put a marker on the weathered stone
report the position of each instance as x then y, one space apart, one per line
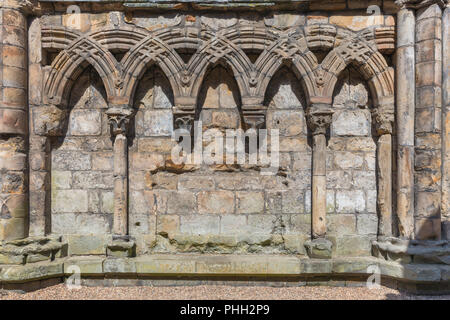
319 248
121 249
87 244
216 202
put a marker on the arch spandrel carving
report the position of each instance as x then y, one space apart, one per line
293 47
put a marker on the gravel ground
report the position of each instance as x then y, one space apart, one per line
208 292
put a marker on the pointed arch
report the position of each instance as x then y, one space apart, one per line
290 50
370 64
220 50
150 50
70 63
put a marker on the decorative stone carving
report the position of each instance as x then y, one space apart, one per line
383 118
319 118
119 119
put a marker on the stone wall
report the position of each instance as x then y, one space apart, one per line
108 87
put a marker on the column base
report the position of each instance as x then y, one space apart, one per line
412 251
320 248
32 249
121 247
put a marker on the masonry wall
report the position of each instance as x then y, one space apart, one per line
210 207
214 208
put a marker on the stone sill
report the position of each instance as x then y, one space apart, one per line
238 266
198 4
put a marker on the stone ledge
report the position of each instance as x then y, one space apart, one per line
413 251
225 266
31 250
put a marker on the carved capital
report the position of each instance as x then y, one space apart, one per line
319 118
383 117
254 116
119 120
183 117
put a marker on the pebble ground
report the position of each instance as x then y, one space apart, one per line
212 292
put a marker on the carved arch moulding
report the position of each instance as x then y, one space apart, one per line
294 47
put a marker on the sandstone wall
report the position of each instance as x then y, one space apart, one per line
110 76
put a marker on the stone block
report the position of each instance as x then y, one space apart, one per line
289 123
71 160
13 121
92 180
121 249
168 225
319 248
181 202
89 244
196 183
356 22
34 271
233 224
107 201
340 224
347 160
161 265
61 179
156 123
428 229
88 266
69 201
293 201
200 224
102 161
364 180
81 223
353 246
85 122
367 224
350 123
250 202
352 201
262 224
119 266
216 202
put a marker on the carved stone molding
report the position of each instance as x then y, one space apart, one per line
183 117
119 120
418 4
319 118
384 118
254 116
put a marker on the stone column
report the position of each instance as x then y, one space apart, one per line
405 96
119 119
13 122
446 123
428 145
319 118
383 117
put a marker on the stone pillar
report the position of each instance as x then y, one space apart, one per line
319 118
428 153
13 122
383 117
119 119
405 96
445 213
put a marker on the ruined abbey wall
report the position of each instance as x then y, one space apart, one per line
92 96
